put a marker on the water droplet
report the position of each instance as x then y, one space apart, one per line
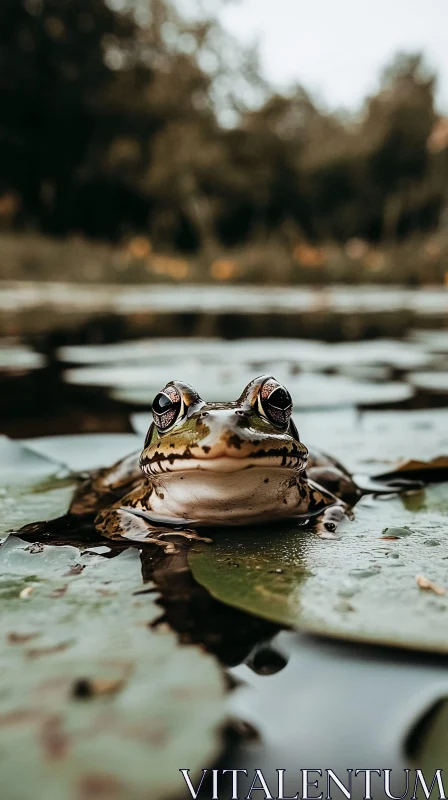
396 532
343 606
364 573
347 591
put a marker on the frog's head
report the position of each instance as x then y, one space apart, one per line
256 431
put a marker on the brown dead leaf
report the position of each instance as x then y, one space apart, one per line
53 738
36 652
59 592
440 462
425 583
20 638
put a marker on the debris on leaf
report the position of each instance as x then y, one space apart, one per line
20 638
86 687
424 583
27 592
36 652
59 591
76 569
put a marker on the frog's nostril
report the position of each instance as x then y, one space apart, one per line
241 413
203 414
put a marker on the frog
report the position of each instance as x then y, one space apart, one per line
206 465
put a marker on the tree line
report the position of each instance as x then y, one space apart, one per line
118 118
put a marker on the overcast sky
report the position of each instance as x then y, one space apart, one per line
337 48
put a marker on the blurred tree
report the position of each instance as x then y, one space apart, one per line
125 115
56 57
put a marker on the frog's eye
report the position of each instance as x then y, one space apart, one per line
166 408
275 403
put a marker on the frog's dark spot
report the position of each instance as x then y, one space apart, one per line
266 480
233 440
172 444
285 500
206 448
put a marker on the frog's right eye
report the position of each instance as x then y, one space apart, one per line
166 408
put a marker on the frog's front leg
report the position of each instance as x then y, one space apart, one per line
106 486
130 519
325 510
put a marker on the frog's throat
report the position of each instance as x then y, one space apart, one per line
199 497
223 464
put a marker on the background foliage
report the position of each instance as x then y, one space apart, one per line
142 120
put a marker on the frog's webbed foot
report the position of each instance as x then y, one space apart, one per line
121 523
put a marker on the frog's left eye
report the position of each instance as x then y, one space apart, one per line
275 403
166 408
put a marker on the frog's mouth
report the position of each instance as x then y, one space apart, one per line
283 459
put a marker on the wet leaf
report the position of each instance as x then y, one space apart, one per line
100 704
32 487
434 382
17 358
85 451
290 576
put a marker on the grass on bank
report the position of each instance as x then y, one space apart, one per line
418 261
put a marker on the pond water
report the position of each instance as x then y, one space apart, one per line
368 373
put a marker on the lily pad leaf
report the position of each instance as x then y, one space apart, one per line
95 702
85 451
32 487
361 586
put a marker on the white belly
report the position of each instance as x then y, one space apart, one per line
204 497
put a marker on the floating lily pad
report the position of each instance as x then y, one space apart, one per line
32 487
357 587
85 451
436 382
151 351
94 702
308 390
434 341
17 358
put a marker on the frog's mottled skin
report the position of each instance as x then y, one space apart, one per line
219 464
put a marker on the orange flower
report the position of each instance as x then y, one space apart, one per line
176 268
223 269
139 247
308 256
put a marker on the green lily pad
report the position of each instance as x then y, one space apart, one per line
94 702
85 451
17 358
32 487
357 587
